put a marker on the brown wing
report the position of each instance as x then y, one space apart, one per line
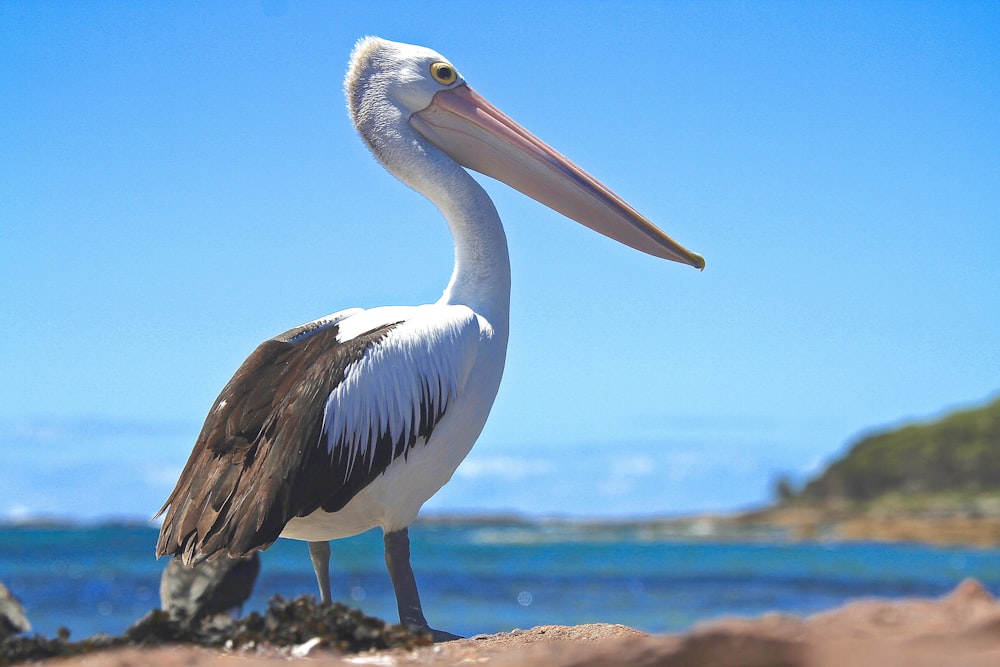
258 461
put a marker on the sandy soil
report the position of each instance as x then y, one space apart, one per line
961 629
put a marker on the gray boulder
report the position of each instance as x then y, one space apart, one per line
210 587
12 618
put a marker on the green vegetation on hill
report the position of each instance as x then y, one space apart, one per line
957 455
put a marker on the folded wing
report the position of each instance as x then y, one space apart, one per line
311 418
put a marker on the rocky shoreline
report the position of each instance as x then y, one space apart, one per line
957 524
951 527
827 523
962 628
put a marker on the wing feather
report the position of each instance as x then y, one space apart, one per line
311 418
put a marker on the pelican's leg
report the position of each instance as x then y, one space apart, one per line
397 560
319 552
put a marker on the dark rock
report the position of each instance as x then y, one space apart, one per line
15 650
12 618
210 587
286 623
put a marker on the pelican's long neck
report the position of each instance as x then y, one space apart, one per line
481 277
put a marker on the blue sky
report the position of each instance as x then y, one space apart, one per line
179 182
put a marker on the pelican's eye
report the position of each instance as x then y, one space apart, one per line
444 73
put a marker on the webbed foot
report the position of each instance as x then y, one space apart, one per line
440 635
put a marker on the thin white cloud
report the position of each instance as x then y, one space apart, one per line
625 473
34 431
44 430
162 476
507 468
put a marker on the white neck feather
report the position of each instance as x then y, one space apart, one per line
481 277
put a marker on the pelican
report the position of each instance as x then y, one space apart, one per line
355 419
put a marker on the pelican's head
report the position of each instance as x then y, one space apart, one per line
389 83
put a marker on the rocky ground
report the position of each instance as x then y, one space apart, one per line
961 629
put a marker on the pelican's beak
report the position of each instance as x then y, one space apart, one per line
479 136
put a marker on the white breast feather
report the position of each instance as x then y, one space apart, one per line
427 357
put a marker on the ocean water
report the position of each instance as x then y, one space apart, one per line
491 577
